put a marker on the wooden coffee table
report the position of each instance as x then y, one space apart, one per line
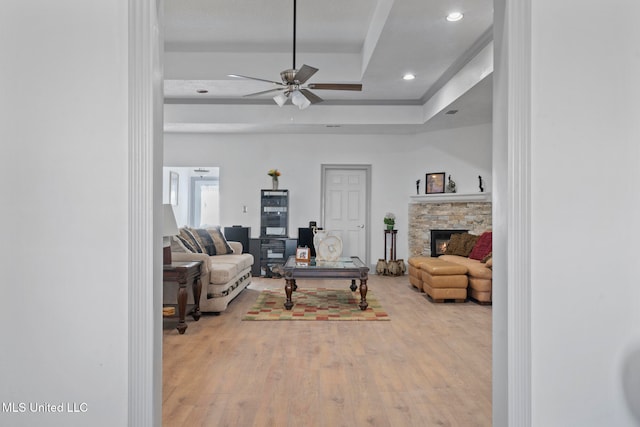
344 268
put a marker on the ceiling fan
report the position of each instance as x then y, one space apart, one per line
293 80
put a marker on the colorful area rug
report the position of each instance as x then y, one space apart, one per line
315 304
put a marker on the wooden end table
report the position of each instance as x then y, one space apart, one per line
184 273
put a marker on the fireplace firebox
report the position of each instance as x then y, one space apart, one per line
440 240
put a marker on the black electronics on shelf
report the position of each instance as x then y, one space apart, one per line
271 250
270 255
274 213
305 238
237 233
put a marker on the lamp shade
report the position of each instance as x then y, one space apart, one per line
299 100
169 225
280 99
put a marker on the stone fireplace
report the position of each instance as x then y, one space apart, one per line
449 213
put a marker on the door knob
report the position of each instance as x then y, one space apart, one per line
361 226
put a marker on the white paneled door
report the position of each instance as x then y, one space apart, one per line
345 207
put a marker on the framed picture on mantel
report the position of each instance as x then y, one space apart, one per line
435 183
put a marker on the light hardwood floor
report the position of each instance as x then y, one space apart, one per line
429 366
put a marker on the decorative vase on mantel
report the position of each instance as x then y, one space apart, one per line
274 182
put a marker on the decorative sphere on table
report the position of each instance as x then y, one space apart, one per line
328 247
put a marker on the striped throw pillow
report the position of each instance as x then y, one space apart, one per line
211 241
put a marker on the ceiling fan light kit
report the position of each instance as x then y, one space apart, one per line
299 100
281 99
294 79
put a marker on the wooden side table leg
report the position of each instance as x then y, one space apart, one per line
363 295
197 292
288 290
182 307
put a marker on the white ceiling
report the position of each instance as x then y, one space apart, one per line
374 42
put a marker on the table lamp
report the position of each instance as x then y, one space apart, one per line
169 229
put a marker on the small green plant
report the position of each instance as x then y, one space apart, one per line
390 220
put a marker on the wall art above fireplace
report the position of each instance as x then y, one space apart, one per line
434 183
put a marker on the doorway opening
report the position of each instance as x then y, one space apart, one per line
204 202
194 193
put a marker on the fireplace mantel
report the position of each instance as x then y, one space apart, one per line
452 198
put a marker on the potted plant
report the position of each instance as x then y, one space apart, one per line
390 220
274 174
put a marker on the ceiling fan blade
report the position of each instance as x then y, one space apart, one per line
312 97
265 91
254 78
335 86
305 73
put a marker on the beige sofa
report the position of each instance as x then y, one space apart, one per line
223 276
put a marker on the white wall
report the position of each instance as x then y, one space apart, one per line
585 165
397 162
63 168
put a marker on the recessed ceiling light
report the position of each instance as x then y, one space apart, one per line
409 76
454 16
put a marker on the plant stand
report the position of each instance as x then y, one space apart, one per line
392 266
392 248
